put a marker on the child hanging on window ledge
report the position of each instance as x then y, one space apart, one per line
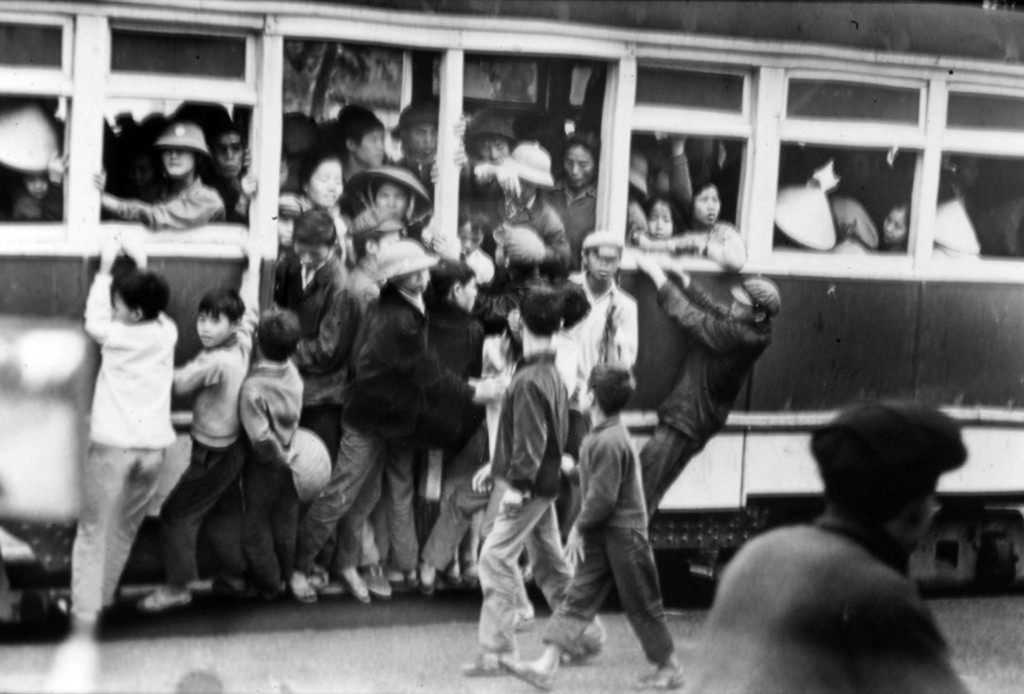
185 202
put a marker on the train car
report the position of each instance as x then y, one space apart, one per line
822 126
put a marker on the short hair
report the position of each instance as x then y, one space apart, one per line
541 310
575 304
142 289
222 302
588 141
447 274
700 184
311 162
278 334
354 122
314 227
673 209
612 386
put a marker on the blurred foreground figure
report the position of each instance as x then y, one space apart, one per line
828 607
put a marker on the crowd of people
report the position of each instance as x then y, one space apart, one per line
505 357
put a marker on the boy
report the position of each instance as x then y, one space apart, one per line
269 405
532 429
360 139
608 544
130 426
372 232
214 378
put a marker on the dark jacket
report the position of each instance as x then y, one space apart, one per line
501 298
542 218
611 491
533 428
395 378
822 608
578 215
718 360
329 317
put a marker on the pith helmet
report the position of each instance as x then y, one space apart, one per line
28 138
604 239
183 135
403 258
532 164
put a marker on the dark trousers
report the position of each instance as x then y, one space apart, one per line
270 523
325 422
210 475
620 557
662 459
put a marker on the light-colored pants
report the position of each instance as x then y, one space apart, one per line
537 526
117 486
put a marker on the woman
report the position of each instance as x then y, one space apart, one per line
574 196
320 187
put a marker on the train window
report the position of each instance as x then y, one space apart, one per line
849 201
178 54
501 79
175 165
980 207
32 166
809 98
31 45
683 192
977 111
702 90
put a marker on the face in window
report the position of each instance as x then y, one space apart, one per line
706 207
894 229
470 237
36 185
580 168
659 221
393 199
227 154
494 150
324 186
141 173
178 163
213 330
419 142
603 263
370 150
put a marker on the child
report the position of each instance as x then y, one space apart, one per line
130 427
270 404
372 232
185 202
472 223
710 237
526 465
896 229
31 204
608 545
214 378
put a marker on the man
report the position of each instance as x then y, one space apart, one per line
228 166
417 129
727 341
828 607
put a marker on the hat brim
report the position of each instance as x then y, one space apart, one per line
740 294
364 180
185 147
533 177
410 266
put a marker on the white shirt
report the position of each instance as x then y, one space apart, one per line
131 407
589 332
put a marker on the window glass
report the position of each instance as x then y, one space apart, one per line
852 201
980 207
32 167
974 111
500 79
174 165
684 191
704 90
848 101
178 54
26 44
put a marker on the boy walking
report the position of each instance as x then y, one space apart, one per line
608 545
130 427
214 377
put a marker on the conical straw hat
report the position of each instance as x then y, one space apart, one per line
953 228
803 214
28 139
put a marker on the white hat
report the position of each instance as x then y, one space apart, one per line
28 138
803 214
853 221
532 164
403 257
599 239
953 228
310 464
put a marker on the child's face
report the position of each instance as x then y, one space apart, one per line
464 295
121 313
324 187
394 199
469 238
415 282
213 330
370 150
706 207
37 185
178 163
603 263
659 221
894 229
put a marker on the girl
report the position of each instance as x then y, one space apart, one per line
320 188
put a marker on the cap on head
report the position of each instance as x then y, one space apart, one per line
490 124
876 458
523 246
532 164
421 113
183 134
604 239
760 293
403 257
